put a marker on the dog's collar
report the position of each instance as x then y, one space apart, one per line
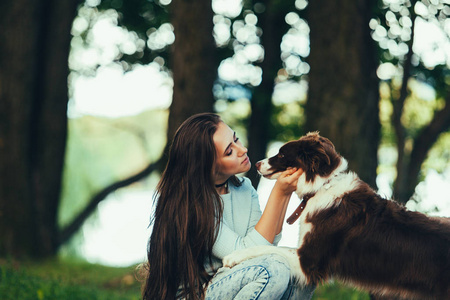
296 214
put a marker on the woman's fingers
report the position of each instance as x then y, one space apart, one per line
292 174
288 179
298 173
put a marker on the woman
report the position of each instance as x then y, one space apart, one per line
205 212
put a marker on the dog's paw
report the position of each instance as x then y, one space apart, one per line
230 260
235 258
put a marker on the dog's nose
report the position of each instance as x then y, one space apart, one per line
258 164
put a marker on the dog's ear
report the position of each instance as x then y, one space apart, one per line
319 157
312 153
316 155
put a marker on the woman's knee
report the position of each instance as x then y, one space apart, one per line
276 268
263 277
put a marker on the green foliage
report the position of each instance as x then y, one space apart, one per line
142 17
287 122
337 291
420 107
439 155
66 280
386 110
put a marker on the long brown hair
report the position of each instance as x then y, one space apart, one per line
188 208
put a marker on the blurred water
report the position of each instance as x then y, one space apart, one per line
119 236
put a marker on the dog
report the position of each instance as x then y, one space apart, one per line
350 233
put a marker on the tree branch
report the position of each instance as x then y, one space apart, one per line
400 103
398 106
67 232
426 139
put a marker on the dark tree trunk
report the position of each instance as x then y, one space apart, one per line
274 27
400 190
33 118
343 87
192 61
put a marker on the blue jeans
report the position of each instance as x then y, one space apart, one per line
263 277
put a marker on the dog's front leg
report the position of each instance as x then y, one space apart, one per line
239 256
290 254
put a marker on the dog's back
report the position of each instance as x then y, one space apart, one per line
378 245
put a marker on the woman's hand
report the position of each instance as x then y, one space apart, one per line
287 181
271 221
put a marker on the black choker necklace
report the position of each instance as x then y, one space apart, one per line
222 184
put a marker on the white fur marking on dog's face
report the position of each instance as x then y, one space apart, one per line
264 170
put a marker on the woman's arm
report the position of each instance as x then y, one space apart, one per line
228 241
271 221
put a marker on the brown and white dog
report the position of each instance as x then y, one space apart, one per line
350 233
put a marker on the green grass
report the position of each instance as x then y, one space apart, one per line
64 280
336 291
69 280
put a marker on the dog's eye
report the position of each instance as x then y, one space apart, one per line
280 155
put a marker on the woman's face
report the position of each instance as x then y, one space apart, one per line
231 156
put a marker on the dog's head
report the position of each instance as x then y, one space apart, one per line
312 153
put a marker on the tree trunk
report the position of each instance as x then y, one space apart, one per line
403 155
33 106
343 86
274 27
192 61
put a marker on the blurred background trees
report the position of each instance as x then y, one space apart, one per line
353 70
33 121
414 64
343 86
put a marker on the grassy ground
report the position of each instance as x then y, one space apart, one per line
335 291
65 280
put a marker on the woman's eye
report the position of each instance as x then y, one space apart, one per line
231 150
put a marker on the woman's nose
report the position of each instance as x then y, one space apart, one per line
242 150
